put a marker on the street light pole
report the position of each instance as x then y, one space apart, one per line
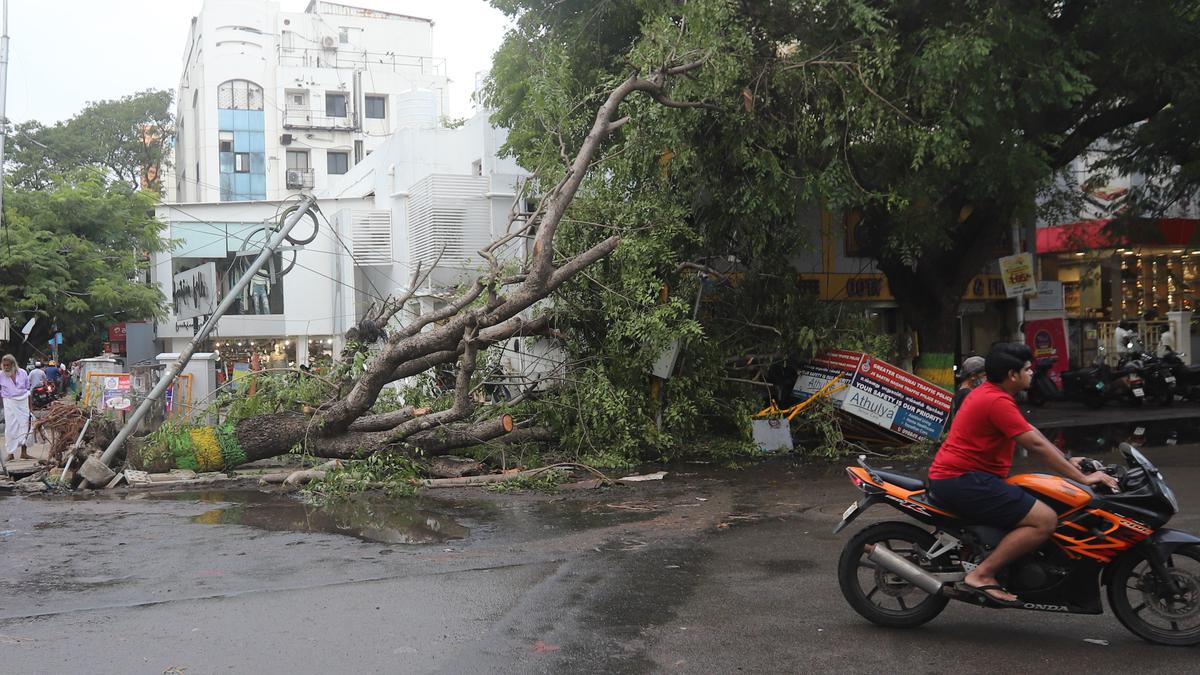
1020 299
3 99
231 296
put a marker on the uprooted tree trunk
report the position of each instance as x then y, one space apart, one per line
342 428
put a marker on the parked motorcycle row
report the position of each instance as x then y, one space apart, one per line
1139 377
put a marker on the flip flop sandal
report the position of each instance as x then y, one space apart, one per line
981 592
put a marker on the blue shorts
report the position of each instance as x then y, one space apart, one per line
983 498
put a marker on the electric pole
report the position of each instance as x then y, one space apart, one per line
231 296
3 100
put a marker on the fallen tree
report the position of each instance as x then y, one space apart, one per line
495 307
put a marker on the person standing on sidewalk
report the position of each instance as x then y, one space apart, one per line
14 389
972 376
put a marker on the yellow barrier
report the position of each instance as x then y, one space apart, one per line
791 412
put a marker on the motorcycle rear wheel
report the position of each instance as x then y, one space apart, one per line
1141 604
878 595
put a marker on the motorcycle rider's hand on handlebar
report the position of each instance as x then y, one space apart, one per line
1054 458
1099 478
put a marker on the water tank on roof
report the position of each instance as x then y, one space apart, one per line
417 108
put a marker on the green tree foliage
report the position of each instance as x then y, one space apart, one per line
937 123
77 253
126 138
709 208
942 122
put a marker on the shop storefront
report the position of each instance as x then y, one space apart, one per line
239 356
1145 275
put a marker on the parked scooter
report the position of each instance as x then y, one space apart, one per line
1085 385
1187 376
1093 386
1160 382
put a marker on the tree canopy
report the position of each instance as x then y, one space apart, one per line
938 123
127 138
79 224
76 254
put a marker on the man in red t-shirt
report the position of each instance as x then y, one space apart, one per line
969 470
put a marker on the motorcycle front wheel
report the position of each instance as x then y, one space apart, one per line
1144 605
878 595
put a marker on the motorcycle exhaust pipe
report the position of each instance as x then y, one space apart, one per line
883 556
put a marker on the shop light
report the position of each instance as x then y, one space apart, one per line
239 344
287 343
1178 250
1080 253
329 341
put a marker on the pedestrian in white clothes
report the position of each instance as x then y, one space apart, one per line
14 389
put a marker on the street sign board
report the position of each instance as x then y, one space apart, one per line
879 392
1017 272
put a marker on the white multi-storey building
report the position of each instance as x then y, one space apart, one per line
271 103
430 195
274 104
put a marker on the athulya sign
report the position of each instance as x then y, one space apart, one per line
879 392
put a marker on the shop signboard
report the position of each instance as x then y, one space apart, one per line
879 392
1048 339
1017 272
116 392
874 287
1049 297
194 291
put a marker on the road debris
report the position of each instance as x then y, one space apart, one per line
657 475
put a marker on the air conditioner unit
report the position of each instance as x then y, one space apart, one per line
295 179
329 42
285 139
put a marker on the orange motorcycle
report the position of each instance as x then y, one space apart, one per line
900 575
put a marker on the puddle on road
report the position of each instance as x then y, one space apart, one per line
1150 433
387 521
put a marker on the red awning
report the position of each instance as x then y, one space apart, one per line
1082 236
1087 235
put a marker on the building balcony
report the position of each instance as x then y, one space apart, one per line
343 58
308 118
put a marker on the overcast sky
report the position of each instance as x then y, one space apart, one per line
64 53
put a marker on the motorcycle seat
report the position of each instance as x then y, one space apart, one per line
906 482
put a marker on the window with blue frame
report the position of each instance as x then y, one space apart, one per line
242 141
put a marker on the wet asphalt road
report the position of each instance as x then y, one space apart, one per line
705 572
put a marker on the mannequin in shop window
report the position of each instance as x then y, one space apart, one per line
259 296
